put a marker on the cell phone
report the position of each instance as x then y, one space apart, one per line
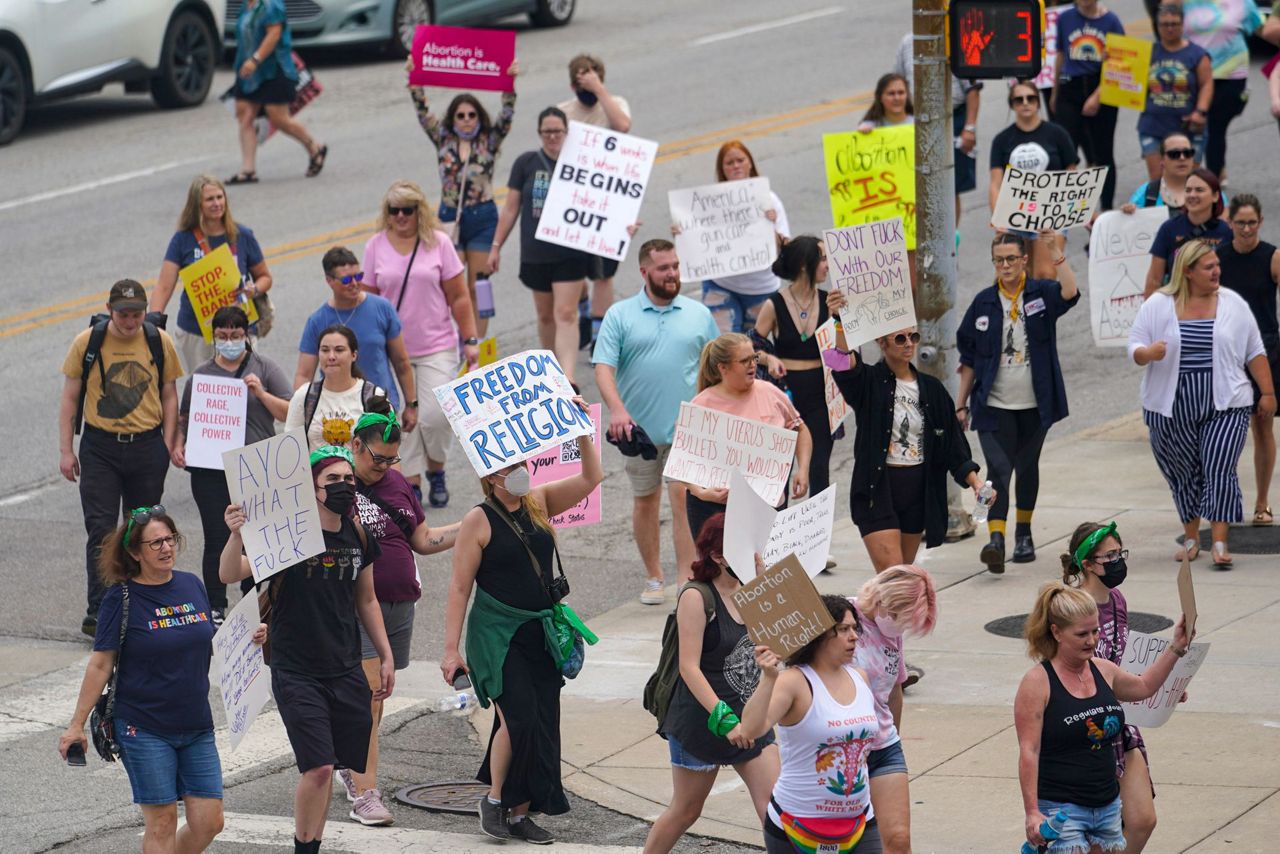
461 680
75 754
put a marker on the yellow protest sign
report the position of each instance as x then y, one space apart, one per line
488 355
211 283
1124 73
872 177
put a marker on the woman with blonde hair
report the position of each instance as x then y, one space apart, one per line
411 262
204 225
727 383
1067 711
506 551
1200 344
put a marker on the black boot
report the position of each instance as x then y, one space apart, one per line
992 553
1024 550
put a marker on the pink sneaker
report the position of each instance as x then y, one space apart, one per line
370 810
343 776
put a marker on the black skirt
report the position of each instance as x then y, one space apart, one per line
277 90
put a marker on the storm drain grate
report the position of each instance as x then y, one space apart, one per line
1247 540
460 796
1011 627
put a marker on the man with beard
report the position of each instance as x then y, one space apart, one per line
646 363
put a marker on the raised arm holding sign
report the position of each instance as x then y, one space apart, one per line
722 230
462 58
868 264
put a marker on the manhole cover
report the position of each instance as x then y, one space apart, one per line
1247 540
460 796
1011 627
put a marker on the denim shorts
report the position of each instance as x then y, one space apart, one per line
164 767
1086 827
733 312
478 227
887 760
1151 145
681 758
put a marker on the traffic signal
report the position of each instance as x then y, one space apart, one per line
993 39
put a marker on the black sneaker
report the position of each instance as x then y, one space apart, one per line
914 675
438 493
526 830
89 625
217 616
493 820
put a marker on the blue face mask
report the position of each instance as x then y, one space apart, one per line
588 99
230 350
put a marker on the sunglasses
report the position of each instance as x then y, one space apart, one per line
142 517
380 460
1180 153
464 116
902 338
348 279
1025 99
407 210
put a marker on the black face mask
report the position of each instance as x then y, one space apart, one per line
588 99
1113 574
338 497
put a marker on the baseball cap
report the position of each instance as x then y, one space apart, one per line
127 295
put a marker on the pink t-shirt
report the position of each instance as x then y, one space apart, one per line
424 311
880 658
766 403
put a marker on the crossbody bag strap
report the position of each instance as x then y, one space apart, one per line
404 286
124 629
533 560
400 522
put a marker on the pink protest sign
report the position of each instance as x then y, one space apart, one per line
463 58
564 461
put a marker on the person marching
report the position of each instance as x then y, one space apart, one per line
317 609
120 379
1177 161
327 410
1011 385
1199 219
1179 89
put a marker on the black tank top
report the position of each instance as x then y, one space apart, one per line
786 341
1077 761
1250 276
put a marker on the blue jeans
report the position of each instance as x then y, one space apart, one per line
734 312
1086 827
478 227
164 767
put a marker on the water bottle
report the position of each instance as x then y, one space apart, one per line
1050 829
985 496
484 297
463 699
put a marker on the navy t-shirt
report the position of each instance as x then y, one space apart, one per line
164 668
1085 40
1178 230
184 249
1172 89
375 322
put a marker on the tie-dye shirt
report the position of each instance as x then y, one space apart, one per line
880 657
1220 27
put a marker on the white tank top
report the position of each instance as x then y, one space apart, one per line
824 756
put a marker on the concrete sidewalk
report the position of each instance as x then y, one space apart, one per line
1215 764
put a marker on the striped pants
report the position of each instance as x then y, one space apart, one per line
1197 451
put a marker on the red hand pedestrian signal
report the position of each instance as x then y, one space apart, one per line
973 38
989 39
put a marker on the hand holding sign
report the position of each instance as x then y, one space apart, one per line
1033 201
868 265
463 58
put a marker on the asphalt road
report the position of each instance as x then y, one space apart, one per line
90 193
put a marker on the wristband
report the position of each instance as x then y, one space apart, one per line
722 720
1060 261
962 409
971 128
1179 652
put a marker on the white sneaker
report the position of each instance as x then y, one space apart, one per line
654 593
370 811
343 776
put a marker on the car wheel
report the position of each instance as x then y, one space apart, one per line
553 13
13 96
409 14
187 61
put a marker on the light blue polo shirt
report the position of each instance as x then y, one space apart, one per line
655 351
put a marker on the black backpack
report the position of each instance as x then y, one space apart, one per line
312 400
93 353
662 684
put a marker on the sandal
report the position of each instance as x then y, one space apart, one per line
243 178
1190 549
1219 561
1263 516
317 161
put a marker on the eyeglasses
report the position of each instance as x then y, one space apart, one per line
141 517
901 338
348 279
1180 153
464 116
379 460
1112 556
408 210
1026 99
160 542
1246 223
749 361
551 133
1006 260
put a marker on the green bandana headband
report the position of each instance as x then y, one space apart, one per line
1092 540
324 452
369 419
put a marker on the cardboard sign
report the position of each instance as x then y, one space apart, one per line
1044 80
272 480
751 526
709 445
868 264
463 58
216 420
512 410
563 461
723 229
1187 596
488 355
596 190
872 177
837 409
1062 199
1119 254
212 282
1124 73
782 609
243 677
1139 653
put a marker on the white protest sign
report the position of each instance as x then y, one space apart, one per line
243 677
868 264
596 190
272 479
748 518
710 444
723 229
1034 201
1119 254
216 420
1139 653
512 410
837 409
805 531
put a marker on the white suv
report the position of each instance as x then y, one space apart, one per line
56 48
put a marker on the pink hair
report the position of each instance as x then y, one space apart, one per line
905 591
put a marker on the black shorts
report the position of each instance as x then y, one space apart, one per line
602 268
1272 343
899 503
277 90
328 720
570 268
